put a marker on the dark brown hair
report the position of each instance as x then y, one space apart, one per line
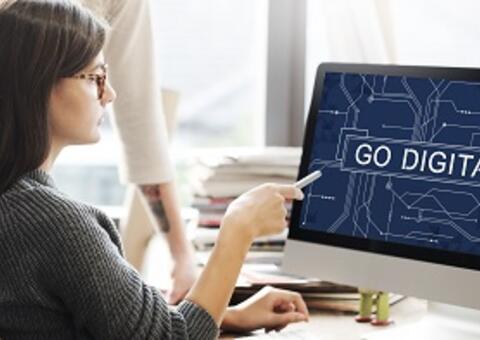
41 41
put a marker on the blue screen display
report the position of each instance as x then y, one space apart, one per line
400 159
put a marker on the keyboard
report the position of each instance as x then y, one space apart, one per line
297 334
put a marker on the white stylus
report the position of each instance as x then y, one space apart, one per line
308 179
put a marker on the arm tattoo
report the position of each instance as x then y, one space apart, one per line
154 199
159 213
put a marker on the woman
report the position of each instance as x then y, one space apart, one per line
63 274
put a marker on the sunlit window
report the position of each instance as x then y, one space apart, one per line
423 32
212 54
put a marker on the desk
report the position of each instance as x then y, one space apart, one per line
343 327
330 326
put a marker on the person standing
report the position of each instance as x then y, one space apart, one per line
140 122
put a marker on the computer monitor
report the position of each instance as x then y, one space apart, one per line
397 207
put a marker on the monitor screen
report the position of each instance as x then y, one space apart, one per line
400 158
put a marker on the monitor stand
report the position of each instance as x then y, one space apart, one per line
442 322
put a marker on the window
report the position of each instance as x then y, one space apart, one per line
89 172
213 53
426 32
448 36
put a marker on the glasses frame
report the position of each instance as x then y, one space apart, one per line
100 79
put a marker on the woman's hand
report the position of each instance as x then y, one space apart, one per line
270 308
261 211
184 273
166 211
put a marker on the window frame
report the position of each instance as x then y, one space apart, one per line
286 66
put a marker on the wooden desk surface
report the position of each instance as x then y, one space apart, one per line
329 326
343 327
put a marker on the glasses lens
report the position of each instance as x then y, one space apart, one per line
101 85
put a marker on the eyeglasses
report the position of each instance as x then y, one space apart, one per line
99 79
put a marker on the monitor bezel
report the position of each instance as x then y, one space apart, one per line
430 255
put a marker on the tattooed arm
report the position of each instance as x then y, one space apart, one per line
166 210
154 199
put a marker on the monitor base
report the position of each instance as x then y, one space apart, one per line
442 322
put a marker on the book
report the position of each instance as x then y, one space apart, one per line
344 304
318 294
230 172
205 238
234 187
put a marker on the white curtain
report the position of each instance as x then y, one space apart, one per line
432 32
417 32
402 31
345 31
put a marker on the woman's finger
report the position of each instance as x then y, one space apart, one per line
297 300
283 319
276 329
284 306
289 192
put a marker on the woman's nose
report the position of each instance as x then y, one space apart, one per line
110 94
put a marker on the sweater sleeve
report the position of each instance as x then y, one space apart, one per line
138 109
104 294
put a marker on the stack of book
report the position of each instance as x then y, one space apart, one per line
318 294
205 238
223 176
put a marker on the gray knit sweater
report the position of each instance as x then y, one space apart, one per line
63 276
